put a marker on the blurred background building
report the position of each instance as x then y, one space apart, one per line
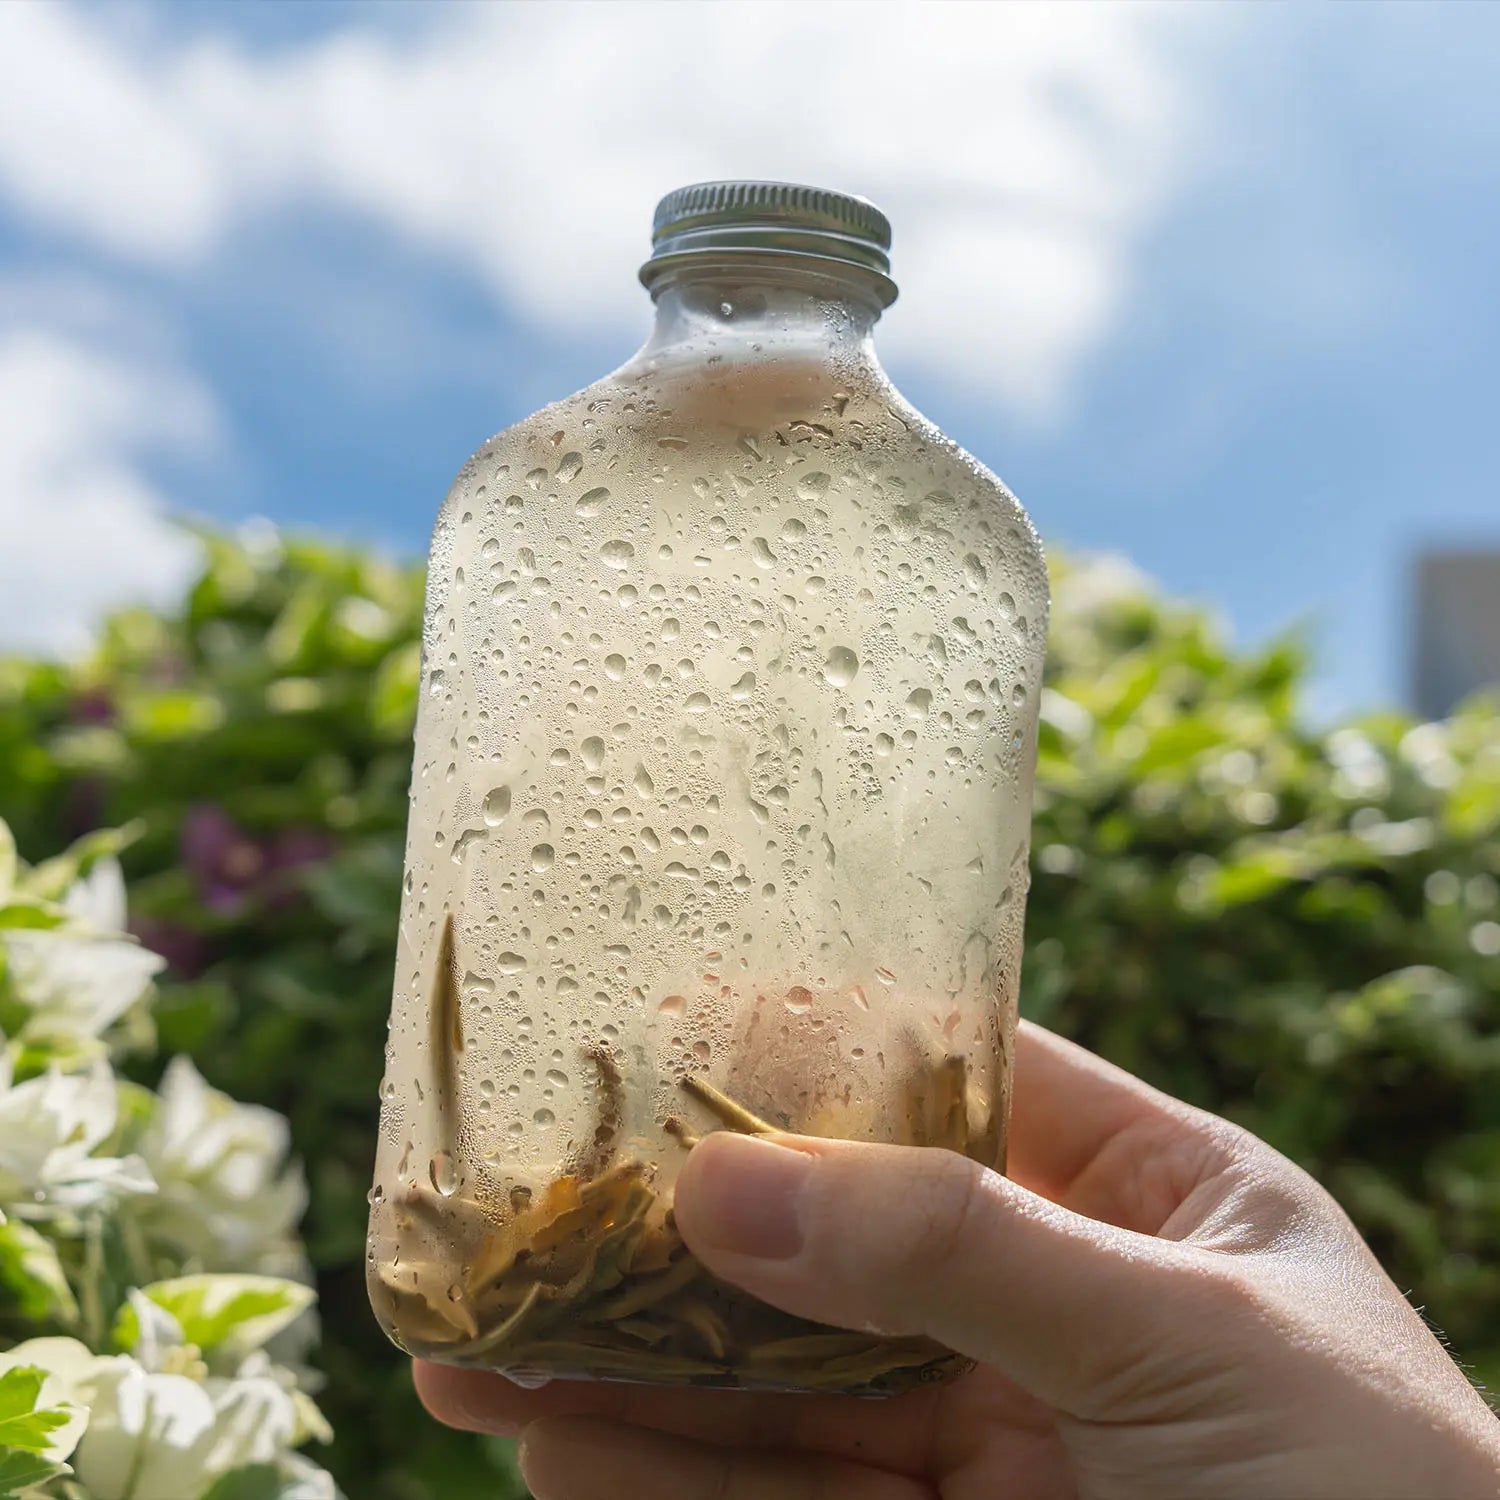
1456 628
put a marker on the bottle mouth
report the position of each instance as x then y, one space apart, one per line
771 219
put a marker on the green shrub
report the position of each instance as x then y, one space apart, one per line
1299 929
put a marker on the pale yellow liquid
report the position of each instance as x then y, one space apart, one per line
723 766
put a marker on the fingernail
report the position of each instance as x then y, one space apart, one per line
750 1200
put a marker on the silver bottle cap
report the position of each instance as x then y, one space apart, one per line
773 218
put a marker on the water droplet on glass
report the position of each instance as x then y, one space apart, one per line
697 703
591 502
885 976
798 1000
567 470
542 857
591 752
437 684
744 688
442 1174
510 963
812 486
544 1117
617 554
672 1005
1018 695
841 666
614 666
918 703
496 806
642 783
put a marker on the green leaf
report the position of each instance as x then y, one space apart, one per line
32 1273
215 1310
174 715
36 915
21 1424
393 694
52 878
22 1471
9 863
1176 744
257 1482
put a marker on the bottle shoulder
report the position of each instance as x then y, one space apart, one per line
695 437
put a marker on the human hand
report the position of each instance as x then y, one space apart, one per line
1161 1306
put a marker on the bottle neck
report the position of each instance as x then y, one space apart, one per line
743 309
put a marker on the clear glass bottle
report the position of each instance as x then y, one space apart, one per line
719 815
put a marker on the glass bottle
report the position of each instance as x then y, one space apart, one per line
719 815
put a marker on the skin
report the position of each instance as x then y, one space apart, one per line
1160 1304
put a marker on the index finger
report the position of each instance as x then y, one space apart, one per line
1068 1106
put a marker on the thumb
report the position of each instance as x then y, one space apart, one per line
900 1240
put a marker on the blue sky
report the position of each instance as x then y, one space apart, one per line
1213 287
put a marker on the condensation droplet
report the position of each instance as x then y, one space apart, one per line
567 470
672 1005
591 502
440 1171
542 857
496 806
918 704
812 486
841 666
614 666
798 1000
591 752
617 555
744 688
543 1118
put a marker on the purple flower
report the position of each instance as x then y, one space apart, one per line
225 862
186 952
93 706
232 867
84 805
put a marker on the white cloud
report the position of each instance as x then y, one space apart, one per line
1021 150
81 530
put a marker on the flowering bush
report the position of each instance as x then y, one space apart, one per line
154 1305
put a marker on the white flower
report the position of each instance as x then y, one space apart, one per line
227 1199
170 1436
49 1128
74 986
137 1434
98 899
75 974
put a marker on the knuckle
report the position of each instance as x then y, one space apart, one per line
950 1192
